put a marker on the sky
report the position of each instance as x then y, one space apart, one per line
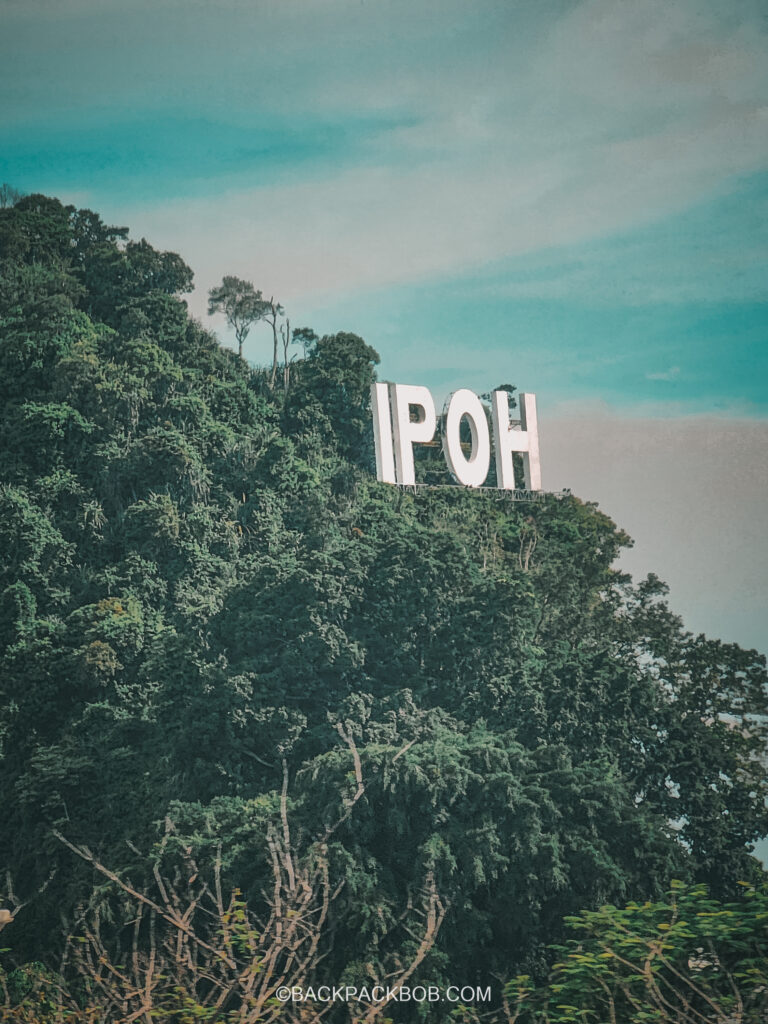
566 195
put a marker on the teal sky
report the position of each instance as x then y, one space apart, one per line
567 195
570 195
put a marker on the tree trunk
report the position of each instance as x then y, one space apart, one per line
273 321
286 365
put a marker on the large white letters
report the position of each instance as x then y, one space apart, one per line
382 433
409 432
507 440
472 471
396 429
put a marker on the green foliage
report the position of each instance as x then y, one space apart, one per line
682 958
201 577
240 303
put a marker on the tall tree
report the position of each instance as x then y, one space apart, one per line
273 312
242 305
8 195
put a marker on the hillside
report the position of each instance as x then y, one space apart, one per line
221 635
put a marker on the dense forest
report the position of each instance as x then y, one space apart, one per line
274 721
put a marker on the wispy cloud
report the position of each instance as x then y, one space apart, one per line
472 134
511 150
398 166
671 374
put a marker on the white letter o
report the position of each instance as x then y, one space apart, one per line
472 471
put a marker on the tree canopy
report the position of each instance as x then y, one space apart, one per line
684 957
241 304
203 582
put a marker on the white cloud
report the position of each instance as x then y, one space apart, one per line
671 374
565 123
380 226
622 114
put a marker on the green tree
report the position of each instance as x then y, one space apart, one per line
202 575
683 958
241 304
9 195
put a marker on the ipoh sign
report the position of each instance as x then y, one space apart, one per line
395 433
